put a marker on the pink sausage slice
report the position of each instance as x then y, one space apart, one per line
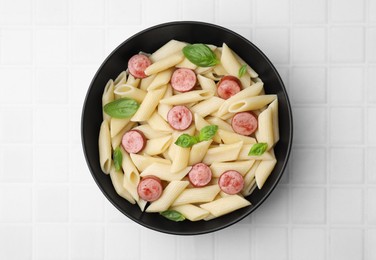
183 80
150 188
137 65
228 86
133 141
179 117
231 182
200 175
244 123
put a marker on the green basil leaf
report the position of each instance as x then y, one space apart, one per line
173 215
258 149
118 158
186 140
207 132
242 70
121 108
200 55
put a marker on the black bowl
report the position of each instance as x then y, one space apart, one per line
148 41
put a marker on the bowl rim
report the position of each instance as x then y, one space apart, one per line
288 148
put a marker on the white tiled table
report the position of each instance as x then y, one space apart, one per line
325 205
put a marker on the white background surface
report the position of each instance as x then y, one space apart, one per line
325 206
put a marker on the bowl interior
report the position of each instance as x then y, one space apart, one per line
148 41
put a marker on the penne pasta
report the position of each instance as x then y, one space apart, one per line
116 140
231 137
197 195
120 79
117 124
164 64
191 212
244 151
224 153
274 107
263 171
145 82
181 158
264 133
251 103
117 182
166 50
107 97
187 97
163 109
223 125
129 91
149 104
131 176
157 145
208 106
201 123
170 193
225 205
143 161
157 123
161 79
163 171
198 152
240 166
104 144
149 132
207 84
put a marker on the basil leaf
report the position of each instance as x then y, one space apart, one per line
173 215
207 132
200 55
121 108
118 158
242 70
258 149
185 140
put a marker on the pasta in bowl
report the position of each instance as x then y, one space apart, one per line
188 130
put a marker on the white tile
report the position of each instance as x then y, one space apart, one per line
116 36
371 84
284 74
371 206
346 206
51 163
80 82
308 244
49 82
271 243
343 48
308 165
308 205
119 235
51 125
307 131
17 86
312 39
16 46
18 126
158 242
274 209
226 242
51 46
87 46
340 241
16 242
347 10
309 11
75 124
280 13
346 171
51 203
371 164
86 204
53 12
242 9
51 241
15 203
264 38
306 88
11 158
371 43
78 169
16 12
195 247
372 10
86 242
117 9
371 123
168 10
198 10
344 91
346 125
88 12
370 249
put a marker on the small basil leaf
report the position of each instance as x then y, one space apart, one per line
207 132
200 55
121 108
173 215
258 149
185 140
242 71
118 158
